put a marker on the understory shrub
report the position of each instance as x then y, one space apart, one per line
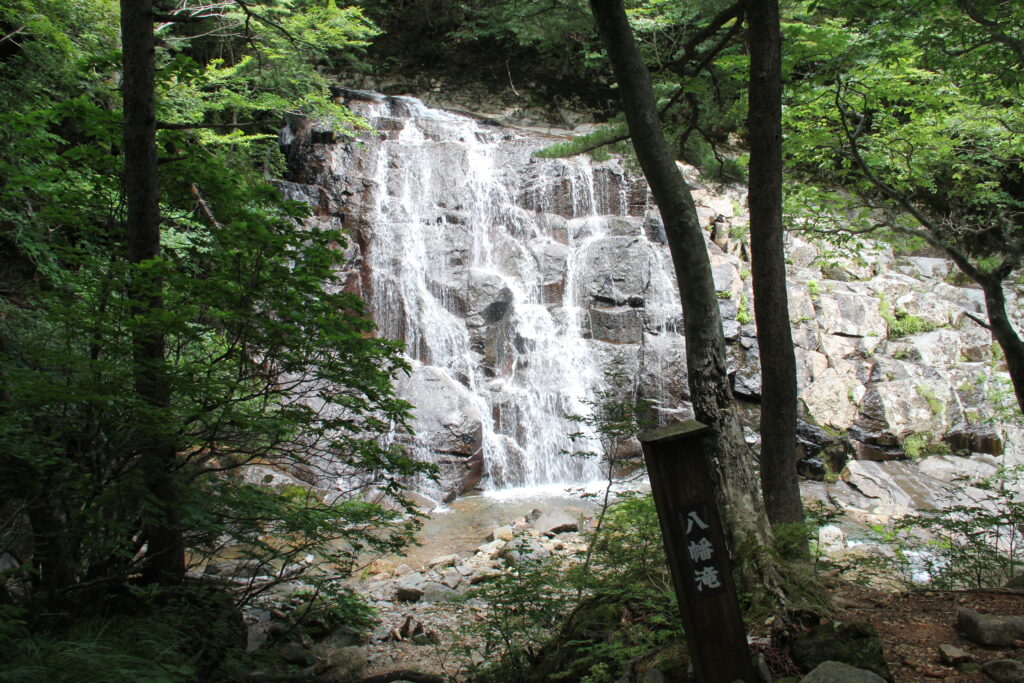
579 620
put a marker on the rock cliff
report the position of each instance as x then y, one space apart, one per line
516 282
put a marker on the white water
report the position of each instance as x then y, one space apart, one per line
451 231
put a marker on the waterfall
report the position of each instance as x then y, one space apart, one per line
512 281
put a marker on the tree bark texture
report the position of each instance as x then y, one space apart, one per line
165 555
1004 333
779 483
729 460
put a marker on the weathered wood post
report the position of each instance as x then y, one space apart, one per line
697 553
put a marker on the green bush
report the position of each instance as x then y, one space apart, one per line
579 620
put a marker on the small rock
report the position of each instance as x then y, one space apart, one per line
989 629
443 561
437 592
1004 670
951 655
491 549
554 521
451 578
501 533
409 628
402 570
837 672
424 638
483 574
524 550
831 538
761 668
410 587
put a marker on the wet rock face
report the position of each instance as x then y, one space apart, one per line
515 282
506 276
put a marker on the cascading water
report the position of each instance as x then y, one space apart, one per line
512 281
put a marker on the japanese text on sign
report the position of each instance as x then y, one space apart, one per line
703 564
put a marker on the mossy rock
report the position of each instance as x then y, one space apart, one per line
853 643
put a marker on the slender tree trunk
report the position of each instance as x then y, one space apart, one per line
1004 334
52 558
729 459
165 551
768 266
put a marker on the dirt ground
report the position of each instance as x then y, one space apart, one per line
914 624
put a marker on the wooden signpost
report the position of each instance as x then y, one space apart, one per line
697 553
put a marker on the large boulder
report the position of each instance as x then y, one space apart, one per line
906 406
837 672
850 314
989 629
614 269
833 399
899 487
854 643
488 300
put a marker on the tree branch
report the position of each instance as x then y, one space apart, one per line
717 22
978 320
995 30
931 230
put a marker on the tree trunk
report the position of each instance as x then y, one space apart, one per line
768 266
165 557
1004 334
729 460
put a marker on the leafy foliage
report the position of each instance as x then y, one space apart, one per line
582 619
282 396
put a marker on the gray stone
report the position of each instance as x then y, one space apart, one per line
409 588
442 561
523 550
907 406
491 548
437 592
897 487
554 521
832 399
925 267
501 533
974 438
483 574
619 325
850 314
746 381
446 423
837 672
451 578
1004 670
989 629
951 655
854 643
